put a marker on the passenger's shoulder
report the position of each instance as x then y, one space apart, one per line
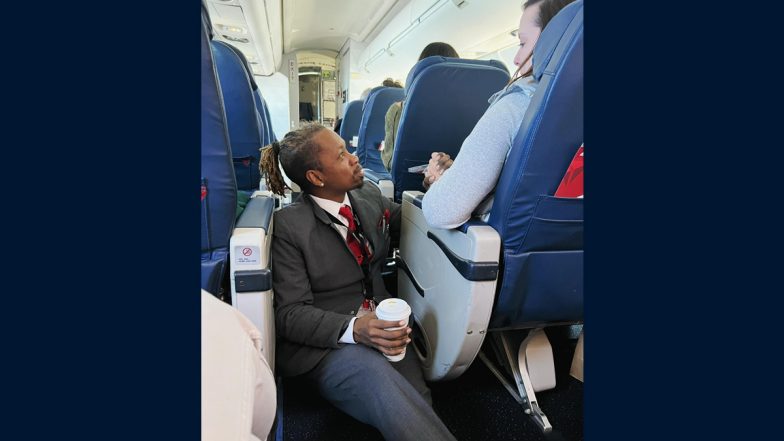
521 88
394 108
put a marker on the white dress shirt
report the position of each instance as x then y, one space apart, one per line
333 208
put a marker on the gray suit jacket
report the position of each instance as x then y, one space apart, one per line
316 280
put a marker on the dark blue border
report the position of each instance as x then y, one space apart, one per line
682 137
101 221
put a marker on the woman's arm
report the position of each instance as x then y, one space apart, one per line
453 197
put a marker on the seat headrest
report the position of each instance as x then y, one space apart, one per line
437 59
243 61
245 64
372 91
571 15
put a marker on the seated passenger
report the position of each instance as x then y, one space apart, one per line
389 82
392 119
238 393
452 197
328 250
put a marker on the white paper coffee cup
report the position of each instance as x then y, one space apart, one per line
394 310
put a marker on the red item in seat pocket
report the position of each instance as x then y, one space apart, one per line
572 183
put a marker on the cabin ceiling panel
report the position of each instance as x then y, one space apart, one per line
319 24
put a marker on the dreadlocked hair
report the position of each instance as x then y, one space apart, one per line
268 166
296 153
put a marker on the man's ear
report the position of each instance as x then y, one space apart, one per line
314 177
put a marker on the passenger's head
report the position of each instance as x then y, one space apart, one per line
536 15
365 93
315 158
438 48
389 82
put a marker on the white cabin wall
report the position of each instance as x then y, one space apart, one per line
290 69
464 28
275 90
359 78
344 78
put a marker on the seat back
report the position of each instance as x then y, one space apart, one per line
445 97
542 235
264 121
218 185
371 128
241 114
349 128
268 136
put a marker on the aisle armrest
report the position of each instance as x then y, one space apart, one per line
249 265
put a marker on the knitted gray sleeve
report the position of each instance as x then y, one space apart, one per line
450 201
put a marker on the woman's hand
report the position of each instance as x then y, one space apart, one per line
438 164
371 331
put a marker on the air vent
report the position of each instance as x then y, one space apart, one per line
237 39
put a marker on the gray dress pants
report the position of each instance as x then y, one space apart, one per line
392 397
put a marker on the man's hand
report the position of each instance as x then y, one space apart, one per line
438 164
372 332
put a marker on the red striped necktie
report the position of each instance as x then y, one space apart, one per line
351 237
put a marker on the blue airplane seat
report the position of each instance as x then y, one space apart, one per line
371 127
261 104
542 235
241 115
445 97
264 121
218 182
523 269
349 128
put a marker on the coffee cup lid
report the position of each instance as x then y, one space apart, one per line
393 308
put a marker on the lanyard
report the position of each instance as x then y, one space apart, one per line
367 282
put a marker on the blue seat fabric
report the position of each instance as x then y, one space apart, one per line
542 236
219 188
445 97
241 115
349 128
371 128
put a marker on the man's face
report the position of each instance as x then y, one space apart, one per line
340 170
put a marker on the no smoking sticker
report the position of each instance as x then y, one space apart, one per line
247 255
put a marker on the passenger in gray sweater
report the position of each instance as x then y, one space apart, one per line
455 193
458 190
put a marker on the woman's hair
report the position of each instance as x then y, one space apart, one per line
547 10
297 153
389 82
438 48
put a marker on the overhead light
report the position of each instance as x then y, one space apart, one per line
237 39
